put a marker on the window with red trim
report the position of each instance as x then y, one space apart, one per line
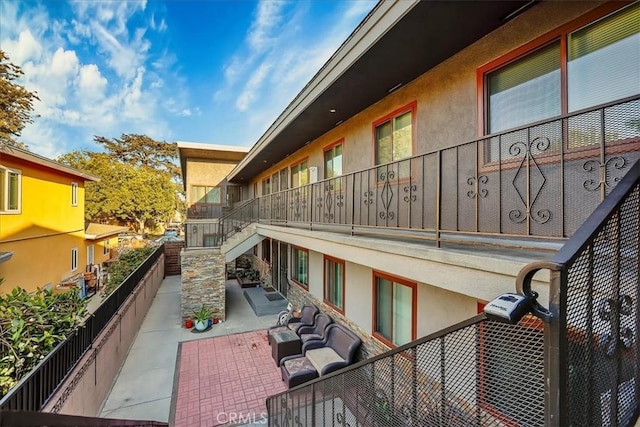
300 266
394 319
334 273
299 174
581 65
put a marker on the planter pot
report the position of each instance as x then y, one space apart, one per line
201 325
188 324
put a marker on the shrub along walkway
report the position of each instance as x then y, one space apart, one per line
145 384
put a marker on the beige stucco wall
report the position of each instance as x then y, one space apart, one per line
436 308
204 172
446 96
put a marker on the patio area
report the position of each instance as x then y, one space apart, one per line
224 380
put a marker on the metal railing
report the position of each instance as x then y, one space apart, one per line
466 375
594 314
541 181
214 234
34 390
30 419
576 362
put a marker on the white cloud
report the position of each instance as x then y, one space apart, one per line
268 17
250 91
91 82
64 63
24 49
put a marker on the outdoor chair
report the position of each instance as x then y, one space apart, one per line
317 331
307 318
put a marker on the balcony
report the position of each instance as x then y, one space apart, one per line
519 188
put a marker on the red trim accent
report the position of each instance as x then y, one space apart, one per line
559 33
480 306
413 107
294 280
414 305
333 144
326 258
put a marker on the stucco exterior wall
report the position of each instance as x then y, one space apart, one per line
206 172
436 308
446 96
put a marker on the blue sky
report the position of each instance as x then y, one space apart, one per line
212 71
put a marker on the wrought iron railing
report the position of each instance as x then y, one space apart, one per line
34 390
575 363
541 181
214 234
594 314
466 375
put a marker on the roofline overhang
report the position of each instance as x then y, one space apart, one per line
380 20
43 161
204 147
106 234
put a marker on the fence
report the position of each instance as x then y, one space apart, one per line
34 390
576 362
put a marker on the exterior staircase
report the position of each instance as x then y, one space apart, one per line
240 242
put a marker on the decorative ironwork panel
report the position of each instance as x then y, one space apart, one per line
601 331
443 381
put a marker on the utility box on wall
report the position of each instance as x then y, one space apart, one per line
313 174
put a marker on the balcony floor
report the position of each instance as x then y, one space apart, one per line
225 379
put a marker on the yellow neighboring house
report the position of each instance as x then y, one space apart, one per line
44 241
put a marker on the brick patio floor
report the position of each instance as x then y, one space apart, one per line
224 379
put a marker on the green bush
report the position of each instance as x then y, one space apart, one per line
124 266
31 325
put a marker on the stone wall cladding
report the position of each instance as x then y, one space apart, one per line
264 268
203 280
370 346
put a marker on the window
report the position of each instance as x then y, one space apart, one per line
394 135
333 160
266 186
90 254
74 194
205 194
105 248
394 309
299 174
334 273
266 250
10 190
300 266
209 240
284 179
601 64
74 259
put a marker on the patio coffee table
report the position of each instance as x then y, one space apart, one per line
283 344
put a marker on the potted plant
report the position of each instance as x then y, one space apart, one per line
201 318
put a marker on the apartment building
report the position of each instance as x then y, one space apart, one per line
441 148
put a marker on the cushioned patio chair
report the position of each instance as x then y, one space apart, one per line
320 357
307 318
317 331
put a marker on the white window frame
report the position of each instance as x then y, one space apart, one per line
74 194
90 254
74 259
4 202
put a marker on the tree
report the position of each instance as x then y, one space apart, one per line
16 103
125 192
140 150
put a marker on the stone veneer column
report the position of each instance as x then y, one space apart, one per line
203 278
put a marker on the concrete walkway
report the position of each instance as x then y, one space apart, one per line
145 383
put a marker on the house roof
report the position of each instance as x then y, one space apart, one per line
396 43
43 161
203 151
100 231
